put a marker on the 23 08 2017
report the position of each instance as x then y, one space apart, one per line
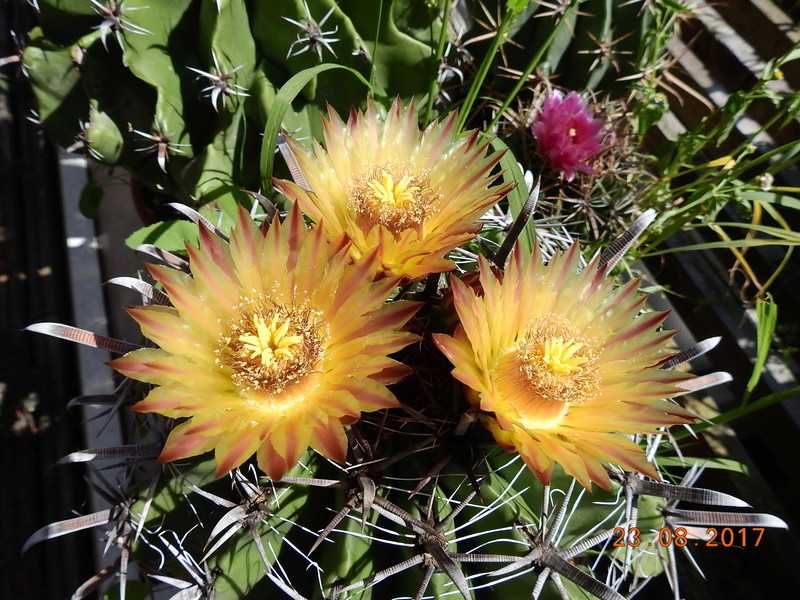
679 537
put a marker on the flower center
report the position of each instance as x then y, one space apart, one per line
572 132
394 194
558 355
553 368
270 342
272 346
391 195
558 363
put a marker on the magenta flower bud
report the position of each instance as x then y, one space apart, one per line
567 135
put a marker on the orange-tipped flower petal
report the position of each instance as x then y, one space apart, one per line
413 194
274 344
562 366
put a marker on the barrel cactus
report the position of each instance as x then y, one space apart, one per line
508 447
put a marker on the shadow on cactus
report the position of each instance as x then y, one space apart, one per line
349 462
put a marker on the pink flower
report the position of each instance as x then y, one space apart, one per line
567 134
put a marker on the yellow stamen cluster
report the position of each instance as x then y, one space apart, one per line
394 194
271 341
389 195
272 346
558 363
559 355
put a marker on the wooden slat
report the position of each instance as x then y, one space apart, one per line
33 286
770 30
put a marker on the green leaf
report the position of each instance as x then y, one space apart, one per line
574 592
516 6
518 196
167 235
221 31
723 464
89 201
550 33
224 212
119 102
478 80
280 107
103 135
771 198
65 21
215 168
134 590
349 556
745 243
400 63
649 521
238 560
767 320
222 24
171 494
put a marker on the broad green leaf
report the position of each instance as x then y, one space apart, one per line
103 135
167 235
213 171
400 63
224 28
280 107
120 102
66 21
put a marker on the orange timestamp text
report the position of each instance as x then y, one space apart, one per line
679 537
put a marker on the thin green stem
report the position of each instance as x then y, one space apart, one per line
375 46
437 61
534 62
497 40
737 413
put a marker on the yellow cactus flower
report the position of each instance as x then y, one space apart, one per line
414 195
274 343
561 365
